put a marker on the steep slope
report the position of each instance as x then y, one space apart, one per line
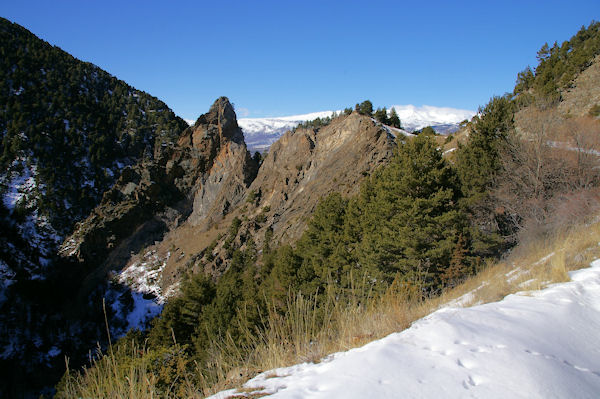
302 167
532 345
307 164
197 180
67 129
583 94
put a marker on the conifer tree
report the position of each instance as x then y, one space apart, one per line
479 160
410 221
381 115
365 108
394 119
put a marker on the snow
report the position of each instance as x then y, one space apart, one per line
143 311
465 299
20 188
414 118
393 131
54 351
144 277
20 182
539 345
544 259
260 133
566 146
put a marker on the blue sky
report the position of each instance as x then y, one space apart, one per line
274 58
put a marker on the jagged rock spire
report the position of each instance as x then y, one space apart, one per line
222 115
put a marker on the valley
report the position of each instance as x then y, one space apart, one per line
196 255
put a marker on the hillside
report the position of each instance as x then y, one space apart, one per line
337 242
151 247
68 129
529 345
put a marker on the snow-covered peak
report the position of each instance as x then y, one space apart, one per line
414 117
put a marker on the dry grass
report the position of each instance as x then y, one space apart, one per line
107 378
306 334
531 266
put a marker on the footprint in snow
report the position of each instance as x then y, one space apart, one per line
466 363
473 381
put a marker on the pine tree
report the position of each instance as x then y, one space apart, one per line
479 160
381 115
394 120
365 108
409 217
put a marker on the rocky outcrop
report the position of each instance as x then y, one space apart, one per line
584 93
302 167
308 164
199 178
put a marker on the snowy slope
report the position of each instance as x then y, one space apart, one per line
536 345
260 133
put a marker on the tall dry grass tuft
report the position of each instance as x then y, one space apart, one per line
109 377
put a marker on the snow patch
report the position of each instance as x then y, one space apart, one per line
20 183
53 352
145 275
144 309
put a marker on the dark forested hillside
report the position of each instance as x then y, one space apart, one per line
71 122
67 129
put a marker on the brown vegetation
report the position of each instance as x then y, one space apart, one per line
550 170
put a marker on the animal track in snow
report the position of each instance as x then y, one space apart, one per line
466 363
473 381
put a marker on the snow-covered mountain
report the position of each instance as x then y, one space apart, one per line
443 119
260 133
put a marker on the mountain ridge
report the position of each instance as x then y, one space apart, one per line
260 133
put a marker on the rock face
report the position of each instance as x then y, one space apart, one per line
302 167
199 179
584 93
308 164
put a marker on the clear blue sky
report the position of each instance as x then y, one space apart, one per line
274 58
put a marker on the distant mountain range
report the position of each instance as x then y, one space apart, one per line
260 133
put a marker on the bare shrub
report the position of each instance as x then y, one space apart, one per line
549 169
